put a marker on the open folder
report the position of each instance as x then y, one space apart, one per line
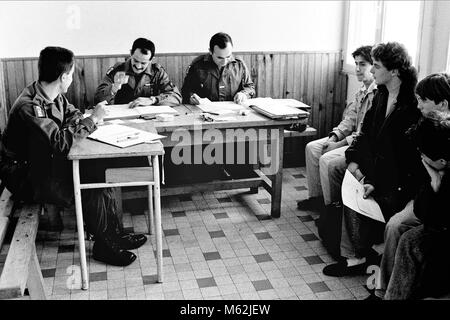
122 111
219 108
123 136
352 197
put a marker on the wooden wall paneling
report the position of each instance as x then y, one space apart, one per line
337 114
283 75
28 72
91 77
330 90
261 79
268 75
20 78
318 92
77 91
12 88
254 70
291 76
327 108
3 105
313 117
276 77
301 78
35 69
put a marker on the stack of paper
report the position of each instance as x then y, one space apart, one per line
123 136
352 197
122 111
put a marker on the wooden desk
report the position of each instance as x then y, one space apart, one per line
90 149
232 130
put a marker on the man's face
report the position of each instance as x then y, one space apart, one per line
426 105
66 80
222 56
362 69
140 61
380 73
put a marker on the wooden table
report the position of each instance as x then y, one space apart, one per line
234 129
90 149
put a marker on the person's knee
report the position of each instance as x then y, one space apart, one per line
393 228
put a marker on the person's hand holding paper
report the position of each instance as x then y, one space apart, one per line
120 78
142 102
240 98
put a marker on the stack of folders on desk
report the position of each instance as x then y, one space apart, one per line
123 136
279 109
122 111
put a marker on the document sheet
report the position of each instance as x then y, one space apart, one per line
122 111
123 136
352 197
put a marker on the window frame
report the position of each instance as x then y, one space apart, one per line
349 68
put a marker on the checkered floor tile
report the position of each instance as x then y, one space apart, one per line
216 245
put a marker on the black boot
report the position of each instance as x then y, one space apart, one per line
108 251
329 227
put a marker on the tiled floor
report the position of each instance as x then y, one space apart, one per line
217 245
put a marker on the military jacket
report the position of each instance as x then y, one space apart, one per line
36 141
154 81
206 80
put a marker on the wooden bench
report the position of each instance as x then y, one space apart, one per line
21 269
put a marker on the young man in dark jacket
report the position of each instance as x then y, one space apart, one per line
382 154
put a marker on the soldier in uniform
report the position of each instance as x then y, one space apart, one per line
138 81
41 128
218 75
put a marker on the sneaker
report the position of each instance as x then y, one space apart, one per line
341 269
107 251
130 241
310 204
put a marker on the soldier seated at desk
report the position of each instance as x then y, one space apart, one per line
138 81
218 76
41 128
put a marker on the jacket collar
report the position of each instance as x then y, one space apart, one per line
41 97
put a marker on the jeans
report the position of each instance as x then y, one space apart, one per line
324 172
396 226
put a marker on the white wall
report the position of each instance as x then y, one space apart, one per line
109 27
441 38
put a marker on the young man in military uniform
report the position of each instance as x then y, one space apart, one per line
41 128
218 75
138 81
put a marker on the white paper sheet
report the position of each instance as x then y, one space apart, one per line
122 136
352 197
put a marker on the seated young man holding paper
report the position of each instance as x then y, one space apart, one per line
382 157
138 81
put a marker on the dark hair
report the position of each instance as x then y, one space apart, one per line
144 45
220 39
53 62
394 55
364 52
435 87
431 135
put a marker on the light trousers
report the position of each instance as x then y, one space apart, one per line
324 172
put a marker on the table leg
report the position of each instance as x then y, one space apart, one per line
157 219
80 226
150 218
277 179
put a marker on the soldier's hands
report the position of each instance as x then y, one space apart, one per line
195 99
142 101
120 78
99 112
239 98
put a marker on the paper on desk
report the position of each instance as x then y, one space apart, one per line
116 121
352 197
219 107
123 136
123 111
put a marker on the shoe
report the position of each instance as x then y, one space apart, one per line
341 269
108 251
310 204
130 241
